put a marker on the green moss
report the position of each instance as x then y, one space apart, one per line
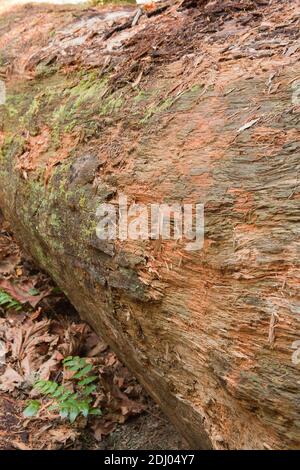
81 106
44 70
30 118
161 107
145 95
111 105
141 96
55 221
13 105
89 229
12 146
64 103
82 201
40 255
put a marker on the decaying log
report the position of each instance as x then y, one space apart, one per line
147 113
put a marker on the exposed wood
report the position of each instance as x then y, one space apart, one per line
215 120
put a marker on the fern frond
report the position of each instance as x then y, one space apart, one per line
7 301
68 403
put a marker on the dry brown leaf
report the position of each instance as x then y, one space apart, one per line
102 429
98 349
19 272
31 345
47 367
74 339
63 434
111 359
10 380
36 314
15 335
8 264
21 292
20 445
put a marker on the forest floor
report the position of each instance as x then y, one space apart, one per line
35 336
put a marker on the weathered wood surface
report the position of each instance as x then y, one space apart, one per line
209 333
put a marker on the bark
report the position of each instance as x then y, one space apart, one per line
209 333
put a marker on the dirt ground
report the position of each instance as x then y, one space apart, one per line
35 339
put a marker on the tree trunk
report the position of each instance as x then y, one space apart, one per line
212 333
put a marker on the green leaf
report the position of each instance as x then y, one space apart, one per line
65 395
56 290
88 390
74 363
87 380
73 413
7 301
52 387
42 385
46 387
95 411
74 368
53 407
67 359
32 409
83 371
64 412
84 408
33 291
72 401
67 401
59 392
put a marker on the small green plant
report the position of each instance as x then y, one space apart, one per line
8 302
69 404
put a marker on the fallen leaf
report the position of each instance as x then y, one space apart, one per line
98 349
63 434
36 314
10 380
19 272
102 429
20 445
47 367
34 349
8 264
111 359
22 294
128 407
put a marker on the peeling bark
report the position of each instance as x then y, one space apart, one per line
209 333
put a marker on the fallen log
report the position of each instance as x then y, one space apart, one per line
187 107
